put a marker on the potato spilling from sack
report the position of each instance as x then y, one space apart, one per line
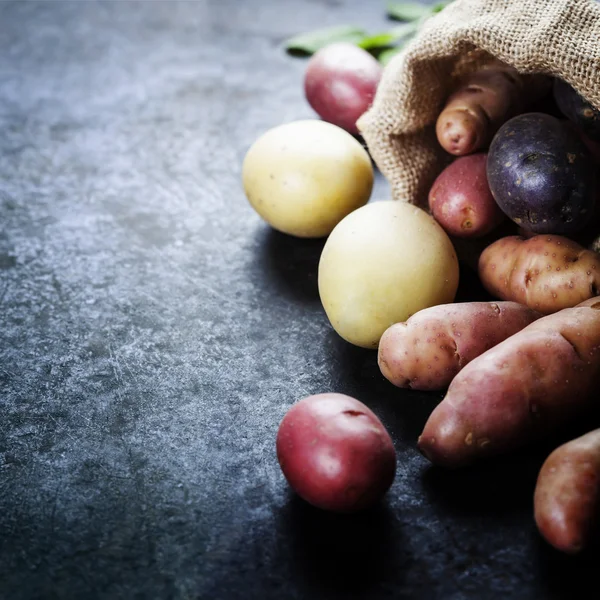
545 272
304 177
542 175
382 264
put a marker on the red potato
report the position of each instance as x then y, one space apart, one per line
545 272
335 453
428 350
520 390
340 83
567 493
477 109
460 199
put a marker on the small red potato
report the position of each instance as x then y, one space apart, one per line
545 272
335 453
428 350
567 493
340 83
520 390
460 199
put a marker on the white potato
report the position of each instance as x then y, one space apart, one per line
304 177
382 264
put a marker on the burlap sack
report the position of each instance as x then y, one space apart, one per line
552 37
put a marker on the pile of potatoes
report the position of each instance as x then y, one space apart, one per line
516 368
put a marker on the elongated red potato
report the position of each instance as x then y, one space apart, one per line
475 111
428 350
545 272
520 390
567 493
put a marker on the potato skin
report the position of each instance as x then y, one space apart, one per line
335 453
522 389
340 83
541 174
461 201
567 493
304 177
475 111
381 264
545 272
428 350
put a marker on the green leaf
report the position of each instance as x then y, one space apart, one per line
387 55
388 38
309 43
407 11
379 40
439 7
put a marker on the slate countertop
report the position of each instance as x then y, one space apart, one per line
153 333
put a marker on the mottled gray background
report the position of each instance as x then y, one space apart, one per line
153 332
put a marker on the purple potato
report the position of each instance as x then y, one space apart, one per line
577 110
542 175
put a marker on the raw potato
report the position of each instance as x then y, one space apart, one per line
473 114
306 176
461 201
340 83
428 350
335 453
567 494
542 175
545 272
520 390
382 264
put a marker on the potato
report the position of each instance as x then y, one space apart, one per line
483 102
542 175
382 264
340 83
545 272
428 350
335 453
306 176
567 493
460 199
521 389
577 110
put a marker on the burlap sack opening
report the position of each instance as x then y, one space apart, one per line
549 37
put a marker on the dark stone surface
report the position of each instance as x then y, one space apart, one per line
153 332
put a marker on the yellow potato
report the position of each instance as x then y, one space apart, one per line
304 177
382 264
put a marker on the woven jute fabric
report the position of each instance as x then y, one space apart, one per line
558 38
